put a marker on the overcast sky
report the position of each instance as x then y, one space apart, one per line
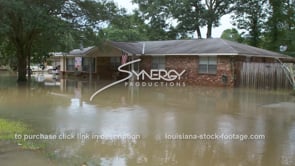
216 33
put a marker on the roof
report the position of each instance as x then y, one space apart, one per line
82 52
57 54
200 47
88 51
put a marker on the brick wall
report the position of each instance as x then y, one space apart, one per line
191 76
145 63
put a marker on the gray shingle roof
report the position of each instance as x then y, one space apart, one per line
199 47
85 52
82 52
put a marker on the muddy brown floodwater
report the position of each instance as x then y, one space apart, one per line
122 126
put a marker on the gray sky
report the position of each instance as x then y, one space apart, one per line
216 33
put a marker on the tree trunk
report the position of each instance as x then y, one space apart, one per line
28 55
21 65
209 30
29 68
199 32
254 32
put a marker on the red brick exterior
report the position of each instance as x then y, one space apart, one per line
191 76
227 66
146 63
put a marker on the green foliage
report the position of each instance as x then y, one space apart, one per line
116 34
7 54
268 24
156 13
280 26
89 13
8 129
265 23
251 15
22 23
33 28
29 29
190 15
232 35
126 28
215 9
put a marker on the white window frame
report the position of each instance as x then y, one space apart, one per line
86 65
207 64
158 62
70 64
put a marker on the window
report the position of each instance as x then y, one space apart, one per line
70 64
158 62
208 65
115 62
86 64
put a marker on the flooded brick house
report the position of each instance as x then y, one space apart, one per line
213 62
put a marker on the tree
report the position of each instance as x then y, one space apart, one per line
232 35
251 15
189 15
127 28
21 23
215 9
89 14
6 49
280 25
275 20
26 22
156 14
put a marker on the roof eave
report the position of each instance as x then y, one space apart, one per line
216 54
192 54
113 44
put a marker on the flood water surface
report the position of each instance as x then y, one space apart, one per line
150 126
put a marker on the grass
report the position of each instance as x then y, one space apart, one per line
8 130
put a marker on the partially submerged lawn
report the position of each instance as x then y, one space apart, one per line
9 129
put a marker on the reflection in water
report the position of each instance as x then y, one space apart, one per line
152 113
